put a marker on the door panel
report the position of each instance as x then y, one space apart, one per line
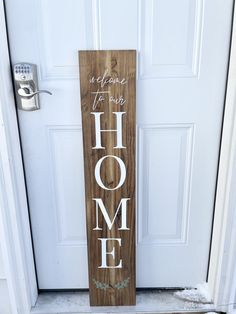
183 50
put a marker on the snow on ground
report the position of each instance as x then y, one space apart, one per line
198 295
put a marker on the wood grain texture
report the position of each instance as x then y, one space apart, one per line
110 286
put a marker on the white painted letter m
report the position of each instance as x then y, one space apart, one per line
109 222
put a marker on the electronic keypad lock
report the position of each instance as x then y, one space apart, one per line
26 86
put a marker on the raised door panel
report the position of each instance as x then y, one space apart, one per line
164 168
170 38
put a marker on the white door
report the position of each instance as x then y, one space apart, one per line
183 48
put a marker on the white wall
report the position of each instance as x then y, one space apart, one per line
4 296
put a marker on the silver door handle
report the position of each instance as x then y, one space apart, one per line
25 92
26 86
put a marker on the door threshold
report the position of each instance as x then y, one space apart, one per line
148 301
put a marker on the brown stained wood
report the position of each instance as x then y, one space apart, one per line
109 286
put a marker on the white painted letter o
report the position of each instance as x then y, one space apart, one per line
122 170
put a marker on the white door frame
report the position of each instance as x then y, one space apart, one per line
15 235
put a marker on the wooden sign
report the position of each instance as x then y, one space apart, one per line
107 87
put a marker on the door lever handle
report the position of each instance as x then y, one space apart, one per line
25 92
26 86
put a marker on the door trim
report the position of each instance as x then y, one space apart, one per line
15 235
222 267
15 231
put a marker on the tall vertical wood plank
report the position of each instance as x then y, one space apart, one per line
113 75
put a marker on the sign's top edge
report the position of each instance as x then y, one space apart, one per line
106 50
